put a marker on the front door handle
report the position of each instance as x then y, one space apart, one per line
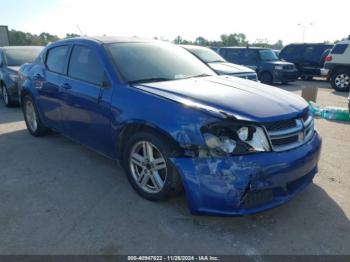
66 86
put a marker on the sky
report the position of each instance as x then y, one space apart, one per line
264 19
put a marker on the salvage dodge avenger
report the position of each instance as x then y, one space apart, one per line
236 146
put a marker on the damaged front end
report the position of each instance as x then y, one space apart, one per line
237 173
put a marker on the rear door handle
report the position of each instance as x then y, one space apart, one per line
66 86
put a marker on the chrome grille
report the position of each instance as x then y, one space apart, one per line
289 134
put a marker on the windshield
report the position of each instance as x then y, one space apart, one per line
155 61
19 56
206 55
268 55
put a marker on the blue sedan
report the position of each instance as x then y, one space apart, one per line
235 146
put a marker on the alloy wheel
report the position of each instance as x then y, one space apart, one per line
148 167
31 115
342 81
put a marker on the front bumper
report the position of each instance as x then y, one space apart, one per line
285 76
247 184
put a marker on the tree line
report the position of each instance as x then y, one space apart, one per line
24 38
237 39
19 38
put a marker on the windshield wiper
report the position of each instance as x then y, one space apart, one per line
201 75
150 80
217 61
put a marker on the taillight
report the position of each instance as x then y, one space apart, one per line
328 58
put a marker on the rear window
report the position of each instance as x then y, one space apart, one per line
56 59
339 49
291 51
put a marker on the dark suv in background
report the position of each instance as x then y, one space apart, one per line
264 61
218 63
308 58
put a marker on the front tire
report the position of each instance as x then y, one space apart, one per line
32 119
148 168
340 80
266 78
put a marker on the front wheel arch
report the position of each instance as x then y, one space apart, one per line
132 128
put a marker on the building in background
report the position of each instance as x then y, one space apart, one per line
4 36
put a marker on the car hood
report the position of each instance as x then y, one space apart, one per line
231 97
225 68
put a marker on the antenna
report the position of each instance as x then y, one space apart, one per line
81 32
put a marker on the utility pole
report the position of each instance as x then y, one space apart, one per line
304 29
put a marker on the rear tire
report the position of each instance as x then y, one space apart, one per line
32 119
148 168
340 80
266 78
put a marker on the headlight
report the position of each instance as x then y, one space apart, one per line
225 139
13 77
278 67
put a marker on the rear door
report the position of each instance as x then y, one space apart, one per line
48 83
86 95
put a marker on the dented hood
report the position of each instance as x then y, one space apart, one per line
231 96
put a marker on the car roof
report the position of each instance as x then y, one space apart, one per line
107 39
245 48
310 44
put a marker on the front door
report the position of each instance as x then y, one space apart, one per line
86 110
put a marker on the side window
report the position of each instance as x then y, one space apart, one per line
56 59
290 52
250 56
233 55
0 57
339 49
85 65
309 51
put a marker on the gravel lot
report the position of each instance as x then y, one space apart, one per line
57 197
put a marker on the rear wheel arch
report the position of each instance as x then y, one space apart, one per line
338 68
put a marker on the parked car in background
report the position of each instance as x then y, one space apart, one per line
337 66
219 64
264 61
306 57
236 146
11 58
